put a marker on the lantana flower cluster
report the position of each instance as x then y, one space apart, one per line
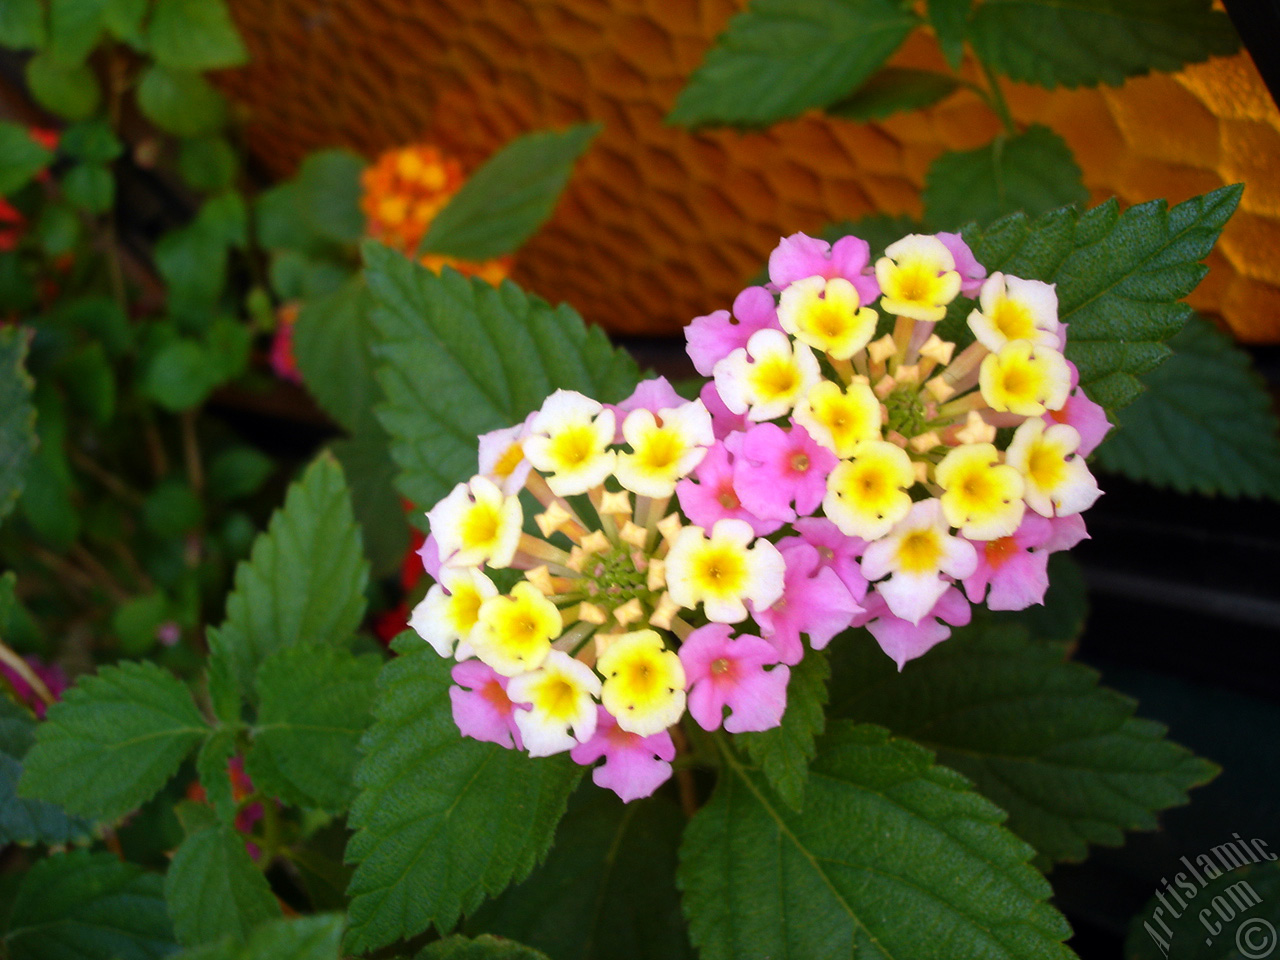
844 466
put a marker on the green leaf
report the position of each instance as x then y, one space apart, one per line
136 622
329 194
331 341
113 741
27 821
949 19
459 947
1204 425
1200 932
778 58
1120 278
783 753
1033 173
181 102
441 821
195 35
91 141
208 163
21 158
893 857
504 202
893 90
91 187
213 888
58 228
178 377
17 416
304 581
239 472
88 906
124 19
315 704
70 92
317 937
215 775
74 29
1088 42
460 358
607 890
22 24
371 473
1066 758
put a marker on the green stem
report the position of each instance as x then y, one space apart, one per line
996 100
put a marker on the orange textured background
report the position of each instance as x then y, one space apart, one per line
659 224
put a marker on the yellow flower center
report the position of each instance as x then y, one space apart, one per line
776 377
1014 320
1046 467
509 460
661 449
574 446
481 526
720 570
919 551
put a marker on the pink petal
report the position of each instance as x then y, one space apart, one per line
715 336
972 273
480 705
634 766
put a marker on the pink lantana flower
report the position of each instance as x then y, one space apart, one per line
972 273
814 602
836 550
481 708
430 554
1016 567
800 256
634 766
653 395
50 674
709 494
903 640
722 670
774 468
1089 418
1067 532
715 336
724 422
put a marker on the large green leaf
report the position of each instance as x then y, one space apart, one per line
316 937
213 888
442 822
112 741
17 417
1120 278
1088 42
303 583
783 753
195 35
1066 758
332 342
506 200
74 28
88 906
314 707
778 58
1247 896
21 158
1204 425
459 358
482 948
27 821
894 857
607 890
893 90
1032 172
